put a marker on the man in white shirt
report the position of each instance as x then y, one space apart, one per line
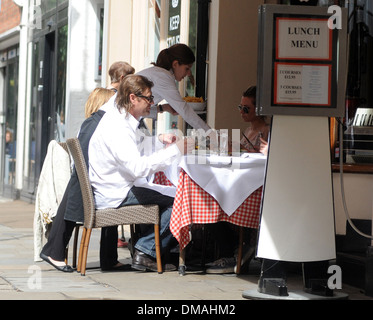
117 160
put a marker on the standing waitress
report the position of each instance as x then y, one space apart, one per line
172 64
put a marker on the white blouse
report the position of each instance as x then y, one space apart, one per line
116 160
165 89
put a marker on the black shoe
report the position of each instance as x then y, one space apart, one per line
144 262
122 267
65 268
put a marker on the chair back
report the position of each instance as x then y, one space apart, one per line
64 146
85 184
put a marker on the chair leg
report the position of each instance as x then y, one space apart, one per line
239 256
66 255
76 236
158 248
132 241
204 241
122 231
85 252
80 258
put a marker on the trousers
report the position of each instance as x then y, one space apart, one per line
144 196
61 233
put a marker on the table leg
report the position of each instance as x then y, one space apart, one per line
239 256
182 266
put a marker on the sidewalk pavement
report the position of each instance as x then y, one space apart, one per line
23 279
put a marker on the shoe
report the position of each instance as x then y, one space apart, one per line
65 268
143 262
122 267
122 244
221 266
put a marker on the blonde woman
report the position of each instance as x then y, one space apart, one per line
70 210
97 99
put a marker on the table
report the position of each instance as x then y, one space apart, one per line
203 190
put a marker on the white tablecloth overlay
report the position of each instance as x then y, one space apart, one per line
230 180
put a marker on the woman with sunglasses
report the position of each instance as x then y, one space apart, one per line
254 140
255 136
173 64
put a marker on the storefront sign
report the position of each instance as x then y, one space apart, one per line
174 23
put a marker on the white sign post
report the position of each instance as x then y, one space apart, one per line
299 82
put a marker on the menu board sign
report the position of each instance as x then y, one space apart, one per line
302 84
300 58
303 39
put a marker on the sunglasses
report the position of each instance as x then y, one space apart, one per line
245 109
150 99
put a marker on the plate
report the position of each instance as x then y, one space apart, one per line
198 106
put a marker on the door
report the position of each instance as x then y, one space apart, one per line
48 96
9 76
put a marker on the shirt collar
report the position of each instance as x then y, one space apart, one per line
134 124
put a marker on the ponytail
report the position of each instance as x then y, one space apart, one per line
179 52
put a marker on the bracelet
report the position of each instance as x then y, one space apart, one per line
160 108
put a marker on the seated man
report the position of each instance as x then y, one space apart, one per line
116 162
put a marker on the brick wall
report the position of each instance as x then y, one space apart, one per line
10 15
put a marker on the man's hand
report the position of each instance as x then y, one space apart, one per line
167 138
186 145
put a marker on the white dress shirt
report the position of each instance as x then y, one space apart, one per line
165 89
115 160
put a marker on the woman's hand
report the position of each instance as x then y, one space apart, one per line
263 146
168 108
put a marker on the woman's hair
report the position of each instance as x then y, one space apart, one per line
96 100
132 84
119 69
179 52
250 93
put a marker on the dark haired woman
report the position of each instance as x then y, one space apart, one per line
258 131
173 64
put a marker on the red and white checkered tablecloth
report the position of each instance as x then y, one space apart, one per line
192 202
160 178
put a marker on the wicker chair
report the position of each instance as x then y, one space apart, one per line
129 215
76 236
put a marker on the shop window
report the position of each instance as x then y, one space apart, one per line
47 5
61 83
357 124
99 47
